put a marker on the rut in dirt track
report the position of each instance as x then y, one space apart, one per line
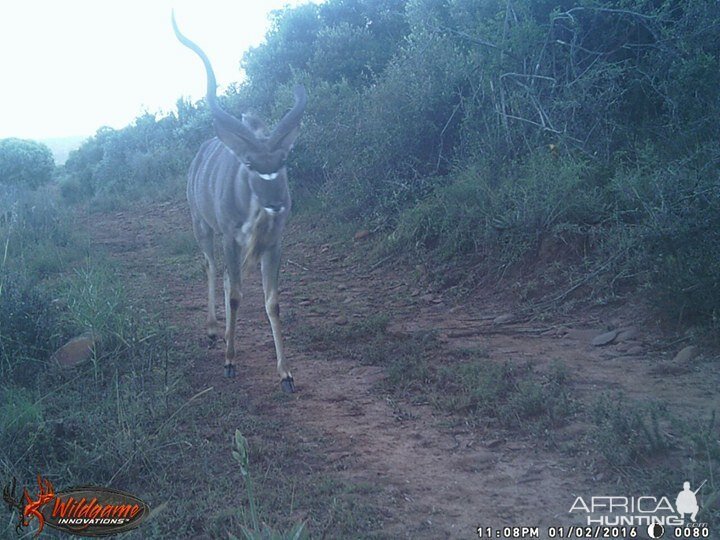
432 481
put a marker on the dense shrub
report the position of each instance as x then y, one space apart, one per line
28 320
25 163
469 127
479 210
148 153
673 213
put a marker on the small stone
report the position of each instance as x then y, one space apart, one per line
502 319
604 339
686 354
494 443
584 335
305 302
626 334
669 368
341 320
341 287
362 234
75 351
637 350
515 446
616 324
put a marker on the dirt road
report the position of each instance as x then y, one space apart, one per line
430 474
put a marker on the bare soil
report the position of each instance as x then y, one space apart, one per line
430 474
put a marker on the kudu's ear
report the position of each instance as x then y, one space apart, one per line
287 141
237 144
287 129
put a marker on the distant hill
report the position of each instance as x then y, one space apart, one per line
62 146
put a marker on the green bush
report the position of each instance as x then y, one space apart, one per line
516 395
29 323
138 159
486 213
673 212
626 433
34 231
72 189
479 128
25 163
36 243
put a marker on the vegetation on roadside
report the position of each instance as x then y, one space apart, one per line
508 395
251 529
107 421
484 132
644 445
654 450
128 417
24 163
146 159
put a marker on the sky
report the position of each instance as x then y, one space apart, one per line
70 67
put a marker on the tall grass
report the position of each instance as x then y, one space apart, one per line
37 245
129 417
106 421
253 531
484 212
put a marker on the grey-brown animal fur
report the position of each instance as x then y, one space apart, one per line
237 189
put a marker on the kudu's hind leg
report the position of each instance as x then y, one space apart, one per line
270 268
205 238
232 284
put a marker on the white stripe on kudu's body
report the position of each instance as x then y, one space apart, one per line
237 189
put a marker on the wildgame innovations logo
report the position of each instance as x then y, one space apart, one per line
83 511
643 511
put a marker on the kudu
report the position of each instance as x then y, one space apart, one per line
237 189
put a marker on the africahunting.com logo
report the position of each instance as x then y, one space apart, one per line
645 510
84 511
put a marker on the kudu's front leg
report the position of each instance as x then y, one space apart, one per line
206 240
270 268
232 288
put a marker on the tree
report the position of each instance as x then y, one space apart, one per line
25 163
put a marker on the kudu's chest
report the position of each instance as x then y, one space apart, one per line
259 226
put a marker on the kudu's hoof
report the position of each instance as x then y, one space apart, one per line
287 385
230 371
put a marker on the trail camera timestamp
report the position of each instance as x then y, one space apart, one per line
508 532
